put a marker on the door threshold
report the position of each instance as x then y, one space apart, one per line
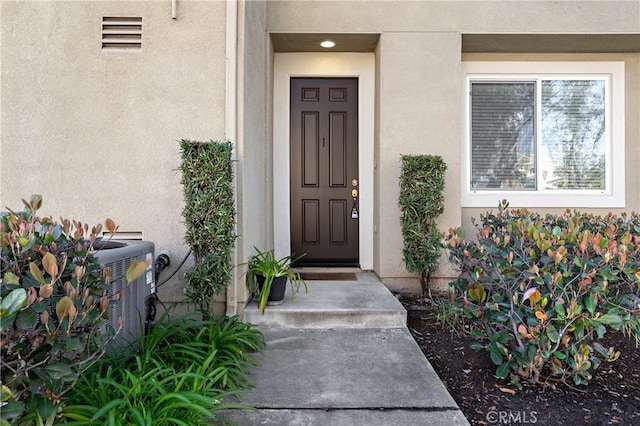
328 269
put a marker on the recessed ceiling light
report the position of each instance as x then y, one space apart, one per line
327 44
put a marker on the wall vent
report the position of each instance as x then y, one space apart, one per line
121 33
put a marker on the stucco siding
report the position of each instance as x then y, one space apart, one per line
604 16
419 100
254 147
419 84
96 132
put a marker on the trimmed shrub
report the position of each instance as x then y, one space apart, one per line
209 213
545 289
422 201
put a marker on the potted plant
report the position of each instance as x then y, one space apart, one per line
267 277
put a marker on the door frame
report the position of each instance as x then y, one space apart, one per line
350 65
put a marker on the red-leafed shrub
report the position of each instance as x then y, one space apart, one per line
545 288
53 310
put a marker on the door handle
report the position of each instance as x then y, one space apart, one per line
354 209
354 195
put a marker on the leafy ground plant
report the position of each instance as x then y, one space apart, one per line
53 310
611 398
186 371
546 289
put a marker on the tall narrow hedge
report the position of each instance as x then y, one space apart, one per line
421 202
209 213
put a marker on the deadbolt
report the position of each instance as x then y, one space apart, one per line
354 182
354 193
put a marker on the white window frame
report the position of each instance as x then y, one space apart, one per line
614 194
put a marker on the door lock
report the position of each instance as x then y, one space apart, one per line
354 209
354 195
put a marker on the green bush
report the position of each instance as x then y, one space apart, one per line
422 201
184 371
545 289
209 213
53 312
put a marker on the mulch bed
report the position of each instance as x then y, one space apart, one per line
611 398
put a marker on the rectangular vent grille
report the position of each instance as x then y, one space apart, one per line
121 33
131 306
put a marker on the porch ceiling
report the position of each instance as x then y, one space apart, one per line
307 42
550 43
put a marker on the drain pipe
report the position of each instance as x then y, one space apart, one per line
231 104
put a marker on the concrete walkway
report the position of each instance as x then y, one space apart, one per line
342 355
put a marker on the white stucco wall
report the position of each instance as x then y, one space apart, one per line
255 191
419 97
471 16
96 132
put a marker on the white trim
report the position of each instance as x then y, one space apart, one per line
614 196
287 65
231 123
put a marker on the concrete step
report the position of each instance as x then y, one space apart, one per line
365 303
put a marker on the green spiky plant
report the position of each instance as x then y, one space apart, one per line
209 213
188 369
264 264
421 202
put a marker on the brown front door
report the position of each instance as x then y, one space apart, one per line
324 170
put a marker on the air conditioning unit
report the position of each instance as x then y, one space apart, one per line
115 256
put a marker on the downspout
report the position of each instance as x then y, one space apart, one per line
231 104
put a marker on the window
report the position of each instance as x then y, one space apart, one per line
544 134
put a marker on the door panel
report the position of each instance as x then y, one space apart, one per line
338 223
310 222
324 166
311 163
337 149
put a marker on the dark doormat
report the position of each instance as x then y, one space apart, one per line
328 276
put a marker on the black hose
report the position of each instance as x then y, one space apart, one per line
161 262
175 271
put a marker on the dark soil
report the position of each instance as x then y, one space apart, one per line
611 398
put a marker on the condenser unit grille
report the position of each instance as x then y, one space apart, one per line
121 33
131 306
